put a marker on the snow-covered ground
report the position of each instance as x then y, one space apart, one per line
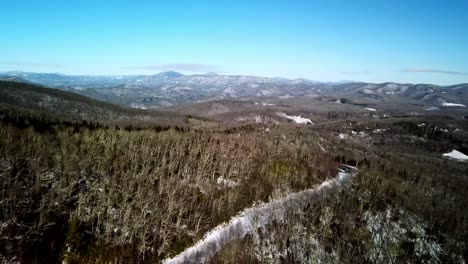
226 182
367 91
453 104
379 130
370 109
388 233
455 154
138 106
297 119
253 218
355 135
264 104
433 108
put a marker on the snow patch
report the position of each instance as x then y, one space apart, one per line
387 234
226 182
297 119
258 119
379 130
370 109
263 104
453 105
455 154
433 108
139 106
367 91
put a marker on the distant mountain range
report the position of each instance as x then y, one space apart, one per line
173 88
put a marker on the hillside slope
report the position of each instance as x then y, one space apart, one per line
69 105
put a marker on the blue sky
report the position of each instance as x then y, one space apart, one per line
399 40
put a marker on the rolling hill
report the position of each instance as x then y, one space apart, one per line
63 104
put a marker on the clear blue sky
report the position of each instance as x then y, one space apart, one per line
376 40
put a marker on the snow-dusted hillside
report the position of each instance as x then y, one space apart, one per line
173 88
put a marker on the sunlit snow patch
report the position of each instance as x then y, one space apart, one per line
370 109
453 104
297 119
455 154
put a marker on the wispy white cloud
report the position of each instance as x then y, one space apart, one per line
30 63
430 70
190 67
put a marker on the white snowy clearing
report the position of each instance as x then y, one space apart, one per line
455 154
297 119
453 104
253 218
370 109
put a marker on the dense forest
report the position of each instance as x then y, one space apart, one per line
81 189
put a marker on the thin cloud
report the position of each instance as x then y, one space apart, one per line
34 64
430 70
190 67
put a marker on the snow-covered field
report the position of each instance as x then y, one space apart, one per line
297 119
453 105
370 109
252 218
455 154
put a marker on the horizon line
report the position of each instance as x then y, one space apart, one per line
207 74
